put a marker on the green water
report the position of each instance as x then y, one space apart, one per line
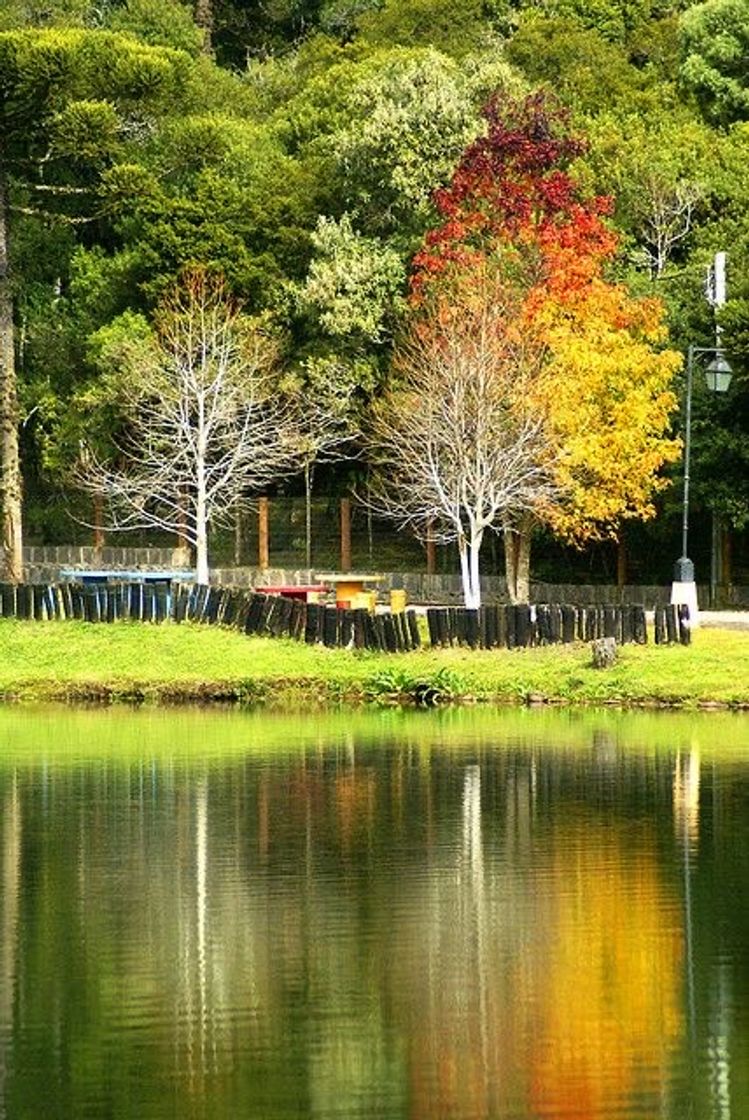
373 917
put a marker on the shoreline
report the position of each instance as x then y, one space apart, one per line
297 695
173 665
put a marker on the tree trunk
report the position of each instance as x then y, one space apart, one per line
201 503
621 561
204 20
474 552
99 538
517 540
10 465
308 513
201 526
263 546
431 550
469 552
345 534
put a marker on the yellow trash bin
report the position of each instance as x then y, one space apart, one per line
397 600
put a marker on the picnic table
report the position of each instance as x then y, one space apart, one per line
307 592
350 586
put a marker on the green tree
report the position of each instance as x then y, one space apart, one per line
68 100
215 190
454 29
715 45
569 58
661 171
161 23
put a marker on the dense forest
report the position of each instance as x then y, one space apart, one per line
298 148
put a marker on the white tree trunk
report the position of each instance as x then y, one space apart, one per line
469 551
465 570
201 522
474 553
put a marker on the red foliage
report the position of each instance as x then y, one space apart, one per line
511 190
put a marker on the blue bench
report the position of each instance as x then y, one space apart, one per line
112 575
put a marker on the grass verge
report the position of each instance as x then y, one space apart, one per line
132 662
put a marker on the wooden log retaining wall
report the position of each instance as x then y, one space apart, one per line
508 626
491 627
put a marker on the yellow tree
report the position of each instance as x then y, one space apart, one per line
610 407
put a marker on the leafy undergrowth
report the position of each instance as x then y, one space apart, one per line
136 663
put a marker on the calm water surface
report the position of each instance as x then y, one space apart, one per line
387 917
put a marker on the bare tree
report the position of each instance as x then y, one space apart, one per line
460 443
204 424
668 219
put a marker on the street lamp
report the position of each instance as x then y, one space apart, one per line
718 377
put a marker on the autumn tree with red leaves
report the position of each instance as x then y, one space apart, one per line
602 392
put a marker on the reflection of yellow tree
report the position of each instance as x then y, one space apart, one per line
611 1012
549 985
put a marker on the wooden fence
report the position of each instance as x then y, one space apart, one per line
491 627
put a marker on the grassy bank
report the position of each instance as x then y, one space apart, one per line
169 663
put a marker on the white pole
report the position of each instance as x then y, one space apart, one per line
720 279
719 301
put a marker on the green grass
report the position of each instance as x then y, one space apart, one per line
170 663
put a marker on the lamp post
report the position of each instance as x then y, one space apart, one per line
718 377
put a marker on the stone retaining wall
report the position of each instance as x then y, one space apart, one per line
43 565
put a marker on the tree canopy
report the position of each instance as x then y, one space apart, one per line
306 149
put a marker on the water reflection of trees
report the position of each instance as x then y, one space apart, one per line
374 930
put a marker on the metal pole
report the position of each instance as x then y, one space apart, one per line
687 453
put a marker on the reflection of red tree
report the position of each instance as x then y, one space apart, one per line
610 1011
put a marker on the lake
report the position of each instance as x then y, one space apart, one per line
460 915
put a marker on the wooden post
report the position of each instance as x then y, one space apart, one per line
98 526
182 554
431 551
308 513
238 537
621 562
726 576
263 535
345 534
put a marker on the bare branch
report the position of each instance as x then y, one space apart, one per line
461 445
204 427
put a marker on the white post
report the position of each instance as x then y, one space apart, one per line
719 300
719 297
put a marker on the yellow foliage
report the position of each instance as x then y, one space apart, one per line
611 1015
609 397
